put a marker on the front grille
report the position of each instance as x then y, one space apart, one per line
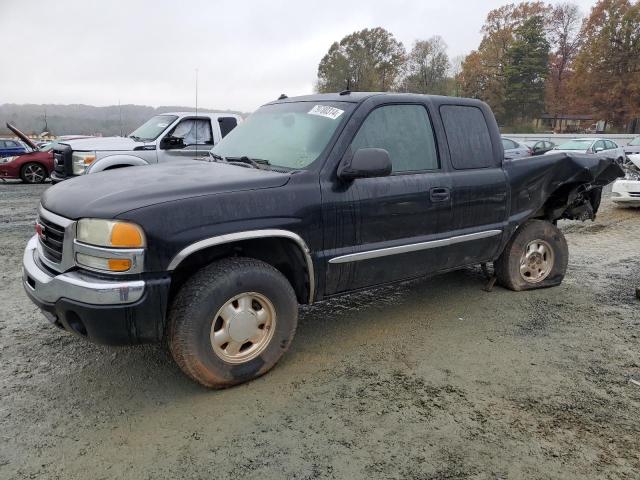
62 160
634 194
51 240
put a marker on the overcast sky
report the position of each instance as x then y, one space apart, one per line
246 52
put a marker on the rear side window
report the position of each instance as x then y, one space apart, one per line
468 137
405 132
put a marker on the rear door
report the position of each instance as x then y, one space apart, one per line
479 185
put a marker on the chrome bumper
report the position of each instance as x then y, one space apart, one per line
76 285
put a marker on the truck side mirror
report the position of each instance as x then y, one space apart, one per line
365 163
171 143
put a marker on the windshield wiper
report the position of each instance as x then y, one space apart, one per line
137 139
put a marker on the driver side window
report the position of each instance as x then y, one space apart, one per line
194 131
405 132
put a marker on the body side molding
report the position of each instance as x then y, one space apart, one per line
250 235
413 247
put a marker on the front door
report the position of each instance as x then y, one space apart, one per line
379 230
197 136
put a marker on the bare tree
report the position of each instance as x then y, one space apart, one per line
564 36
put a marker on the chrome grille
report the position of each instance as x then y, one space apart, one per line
62 159
51 239
55 240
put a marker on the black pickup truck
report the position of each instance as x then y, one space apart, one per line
310 197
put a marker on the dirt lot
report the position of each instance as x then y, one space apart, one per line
431 379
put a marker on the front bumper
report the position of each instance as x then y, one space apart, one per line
626 192
103 310
57 178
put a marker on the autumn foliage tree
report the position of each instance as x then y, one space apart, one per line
483 71
607 68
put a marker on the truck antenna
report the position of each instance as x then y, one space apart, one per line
120 113
196 122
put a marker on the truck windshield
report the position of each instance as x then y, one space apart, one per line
152 128
635 141
290 135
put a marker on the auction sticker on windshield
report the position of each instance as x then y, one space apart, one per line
326 111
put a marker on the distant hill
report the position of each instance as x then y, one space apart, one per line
82 119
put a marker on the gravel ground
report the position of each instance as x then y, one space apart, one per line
432 379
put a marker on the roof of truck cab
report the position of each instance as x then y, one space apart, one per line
208 114
358 97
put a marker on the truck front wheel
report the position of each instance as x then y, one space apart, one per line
232 321
535 257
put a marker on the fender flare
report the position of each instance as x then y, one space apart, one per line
113 160
250 235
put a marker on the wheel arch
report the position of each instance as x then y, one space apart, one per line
116 161
283 249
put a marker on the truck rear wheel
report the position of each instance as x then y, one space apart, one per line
535 257
232 321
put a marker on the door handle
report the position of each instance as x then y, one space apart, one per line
439 194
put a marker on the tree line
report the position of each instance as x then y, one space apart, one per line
533 58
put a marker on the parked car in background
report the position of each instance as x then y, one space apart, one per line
633 146
33 166
10 147
626 191
539 147
592 146
163 138
513 149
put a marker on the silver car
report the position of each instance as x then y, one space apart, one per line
513 149
592 146
633 146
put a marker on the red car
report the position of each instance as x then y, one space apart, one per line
32 167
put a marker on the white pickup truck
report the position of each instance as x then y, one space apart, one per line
163 138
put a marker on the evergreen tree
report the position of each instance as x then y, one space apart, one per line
526 69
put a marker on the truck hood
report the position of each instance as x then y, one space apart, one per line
112 193
104 144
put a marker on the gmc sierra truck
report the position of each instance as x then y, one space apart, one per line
163 138
310 197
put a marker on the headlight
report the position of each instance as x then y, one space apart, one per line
109 245
7 159
81 160
110 233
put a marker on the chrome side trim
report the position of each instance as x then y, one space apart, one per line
75 285
136 255
249 235
413 247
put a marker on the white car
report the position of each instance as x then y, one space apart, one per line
626 191
592 146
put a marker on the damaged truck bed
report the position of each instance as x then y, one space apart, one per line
310 197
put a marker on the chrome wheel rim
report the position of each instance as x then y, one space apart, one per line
34 173
536 262
243 327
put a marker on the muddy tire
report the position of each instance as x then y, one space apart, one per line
231 322
535 257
